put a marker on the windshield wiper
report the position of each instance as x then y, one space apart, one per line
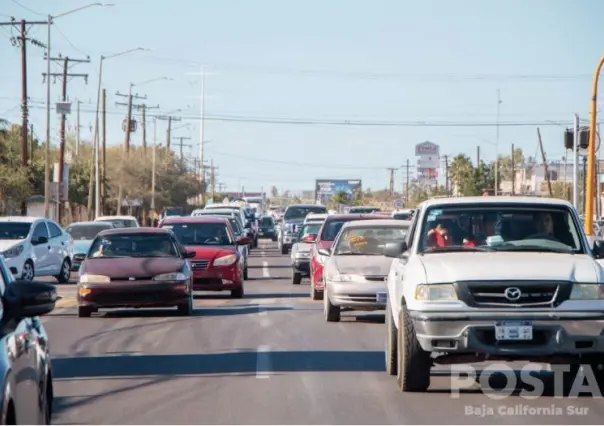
456 249
537 249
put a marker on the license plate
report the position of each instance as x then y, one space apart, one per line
513 330
381 297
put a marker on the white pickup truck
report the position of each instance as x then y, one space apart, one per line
493 278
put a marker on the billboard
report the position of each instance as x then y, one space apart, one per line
428 158
327 188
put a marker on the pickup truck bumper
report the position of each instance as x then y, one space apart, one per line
554 333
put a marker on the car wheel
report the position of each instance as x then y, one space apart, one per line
245 273
390 349
237 293
65 273
315 294
297 279
84 312
284 249
28 272
186 309
48 400
413 369
332 313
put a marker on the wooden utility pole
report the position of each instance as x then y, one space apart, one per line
181 144
513 159
78 127
21 40
130 105
392 170
64 76
478 156
144 108
407 175
213 179
169 119
31 144
545 169
103 150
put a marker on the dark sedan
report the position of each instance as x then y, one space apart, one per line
135 268
25 363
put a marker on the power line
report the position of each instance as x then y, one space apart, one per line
28 9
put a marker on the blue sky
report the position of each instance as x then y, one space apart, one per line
369 61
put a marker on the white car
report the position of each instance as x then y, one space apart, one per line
34 247
120 221
506 278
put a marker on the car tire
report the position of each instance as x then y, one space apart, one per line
65 274
332 313
391 349
284 249
297 278
84 312
237 293
315 294
255 243
29 271
186 309
413 363
245 273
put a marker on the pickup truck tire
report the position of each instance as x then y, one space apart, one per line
332 313
314 293
414 364
391 349
297 278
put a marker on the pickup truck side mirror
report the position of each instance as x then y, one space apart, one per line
395 249
598 249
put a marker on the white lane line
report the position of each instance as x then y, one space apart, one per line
264 320
265 271
263 362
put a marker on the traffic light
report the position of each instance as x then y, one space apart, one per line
569 136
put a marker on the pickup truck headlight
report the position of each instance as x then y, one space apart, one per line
587 292
13 252
91 278
435 292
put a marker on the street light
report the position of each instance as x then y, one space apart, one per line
47 145
95 143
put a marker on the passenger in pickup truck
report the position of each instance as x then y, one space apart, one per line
438 237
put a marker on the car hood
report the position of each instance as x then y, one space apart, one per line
132 266
451 267
6 244
362 265
81 246
211 252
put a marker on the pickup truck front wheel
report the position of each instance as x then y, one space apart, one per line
414 364
391 349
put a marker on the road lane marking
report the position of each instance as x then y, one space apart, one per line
264 320
263 362
265 272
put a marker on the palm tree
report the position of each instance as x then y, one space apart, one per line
460 170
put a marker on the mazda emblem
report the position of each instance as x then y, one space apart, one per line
512 293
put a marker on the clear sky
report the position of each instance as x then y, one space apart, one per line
393 62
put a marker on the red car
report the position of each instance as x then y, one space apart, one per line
217 264
327 235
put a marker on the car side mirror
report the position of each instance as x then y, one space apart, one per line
598 249
395 249
189 254
324 252
25 299
39 240
243 241
310 238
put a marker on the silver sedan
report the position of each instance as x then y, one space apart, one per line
355 270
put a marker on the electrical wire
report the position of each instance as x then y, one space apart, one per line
28 9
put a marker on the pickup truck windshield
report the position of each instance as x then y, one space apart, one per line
501 227
302 212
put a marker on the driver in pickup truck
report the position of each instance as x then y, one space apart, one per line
438 237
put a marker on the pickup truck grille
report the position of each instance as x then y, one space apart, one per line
518 294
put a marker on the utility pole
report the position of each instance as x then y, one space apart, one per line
153 166
64 75
497 145
78 128
31 144
181 144
392 170
21 41
545 169
213 179
169 119
513 159
103 151
407 168
144 108
128 127
478 156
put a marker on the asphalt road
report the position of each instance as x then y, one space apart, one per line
269 358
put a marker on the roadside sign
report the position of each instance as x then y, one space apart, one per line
398 204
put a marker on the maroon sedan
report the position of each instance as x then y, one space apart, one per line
135 268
